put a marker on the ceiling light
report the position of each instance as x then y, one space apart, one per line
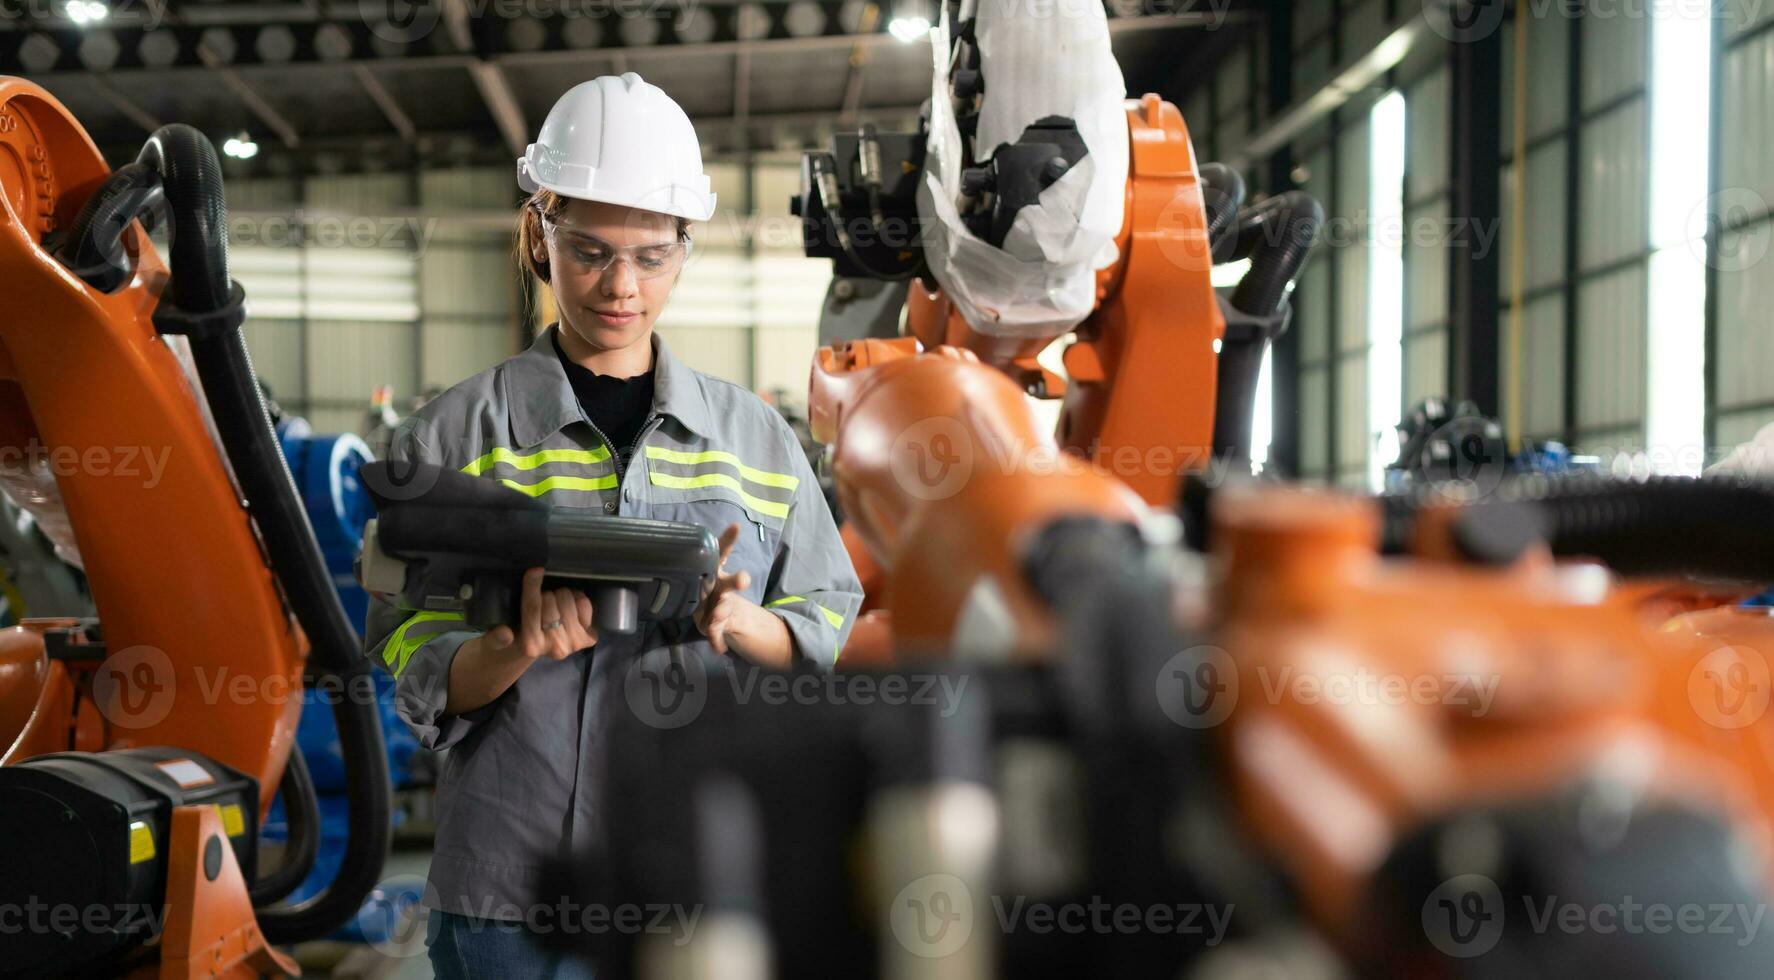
240 147
908 29
83 12
911 20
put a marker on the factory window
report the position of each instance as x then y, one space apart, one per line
1742 292
1387 148
1680 101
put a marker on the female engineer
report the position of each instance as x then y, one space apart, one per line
597 413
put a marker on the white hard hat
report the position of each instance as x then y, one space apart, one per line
622 141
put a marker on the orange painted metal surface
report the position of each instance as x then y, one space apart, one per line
1723 688
1141 401
210 930
870 646
23 672
943 470
1143 373
1370 696
1137 405
51 728
188 604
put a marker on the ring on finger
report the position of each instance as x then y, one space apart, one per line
553 624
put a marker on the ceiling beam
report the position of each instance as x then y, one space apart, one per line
117 100
384 100
495 91
859 59
742 99
456 44
1359 75
715 128
489 80
271 118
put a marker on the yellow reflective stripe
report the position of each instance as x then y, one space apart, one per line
400 647
761 477
759 504
606 482
536 459
831 617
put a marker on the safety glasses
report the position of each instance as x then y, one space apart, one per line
588 253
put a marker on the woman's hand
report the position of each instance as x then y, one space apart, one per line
553 624
736 624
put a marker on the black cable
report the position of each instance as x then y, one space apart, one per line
1280 233
835 211
301 807
200 290
1222 194
1277 236
93 249
1715 526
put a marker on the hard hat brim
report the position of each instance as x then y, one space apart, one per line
685 203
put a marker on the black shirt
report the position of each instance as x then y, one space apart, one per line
618 407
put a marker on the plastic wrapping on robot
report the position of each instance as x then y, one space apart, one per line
1042 283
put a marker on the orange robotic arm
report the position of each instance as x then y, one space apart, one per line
1141 375
941 466
95 394
145 732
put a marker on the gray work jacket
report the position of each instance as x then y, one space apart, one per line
514 797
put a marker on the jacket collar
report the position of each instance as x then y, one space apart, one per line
541 400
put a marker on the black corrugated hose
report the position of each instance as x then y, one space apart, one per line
1277 236
1712 526
1222 194
93 246
301 806
200 288
92 249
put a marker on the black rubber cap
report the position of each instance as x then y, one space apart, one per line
1497 534
212 858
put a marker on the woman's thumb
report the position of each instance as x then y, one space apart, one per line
500 637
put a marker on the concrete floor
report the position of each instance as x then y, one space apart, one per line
405 960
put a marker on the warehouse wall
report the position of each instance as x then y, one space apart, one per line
1331 162
1588 276
1743 397
1547 242
1590 242
355 281
747 307
408 280
1586 237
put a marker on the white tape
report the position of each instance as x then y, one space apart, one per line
1038 60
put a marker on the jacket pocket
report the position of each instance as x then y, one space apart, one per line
755 549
